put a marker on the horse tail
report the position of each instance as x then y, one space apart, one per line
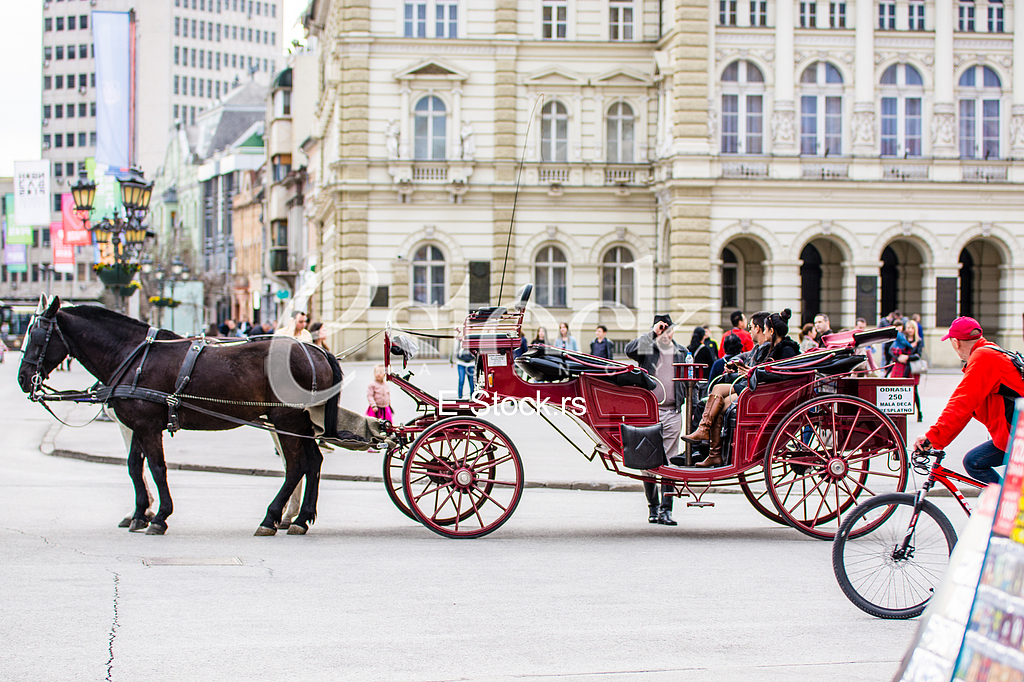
331 409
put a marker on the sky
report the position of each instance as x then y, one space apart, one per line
20 53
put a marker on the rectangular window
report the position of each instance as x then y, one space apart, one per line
83 51
209 88
175 111
71 51
273 34
92 139
201 81
273 11
218 89
92 108
175 85
47 53
47 82
913 126
71 168
249 36
730 124
758 12
727 12
234 62
177 26
808 14
446 16
81 110
833 126
234 33
193 28
58 140
890 137
71 111
60 52
58 82
193 88
70 138
60 23
46 111
202 30
58 170
218 61
83 79
202 57
176 61
809 124
193 57
58 111
71 23
81 139
837 15
554 19
990 128
886 15
995 16
47 24
258 7
83 21
965 16
218 33
917 15
192 115
620 20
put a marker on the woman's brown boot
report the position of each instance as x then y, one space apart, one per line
714 458
711 411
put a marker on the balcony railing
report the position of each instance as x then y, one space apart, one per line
984 173
431 173
907 172
549 175
825 171
745 169
279 260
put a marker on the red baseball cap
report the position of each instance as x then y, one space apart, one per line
964 329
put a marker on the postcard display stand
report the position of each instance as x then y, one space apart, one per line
973 629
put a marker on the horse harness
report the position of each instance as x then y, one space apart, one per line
103 394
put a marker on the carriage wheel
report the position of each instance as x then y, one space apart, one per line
825 454
463 478
753 487
394 462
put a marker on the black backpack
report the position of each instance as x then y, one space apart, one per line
1009 395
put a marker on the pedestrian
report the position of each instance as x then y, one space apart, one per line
296 328
601 346
213 331
466 364
656 352
916 317
701 350
316 330
565 339
541 337
823 327
906 349
990 384
379 397
739 328
808 338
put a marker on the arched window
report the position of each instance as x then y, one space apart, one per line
617 279
980 92
550 277
821 110
430 129
902 93
742 109
428 276
620 133
554 133
730 280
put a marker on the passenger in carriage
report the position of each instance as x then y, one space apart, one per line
770 332
656 351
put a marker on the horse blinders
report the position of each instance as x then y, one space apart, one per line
34 354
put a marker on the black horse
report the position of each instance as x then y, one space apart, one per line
235 376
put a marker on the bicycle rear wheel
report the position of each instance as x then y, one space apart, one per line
873 574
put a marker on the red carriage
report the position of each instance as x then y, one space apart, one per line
808 437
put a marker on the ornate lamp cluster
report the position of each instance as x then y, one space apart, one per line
127 234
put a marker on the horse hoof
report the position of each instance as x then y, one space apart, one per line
156 529
135 525
282 525
295 529
126 522
263 531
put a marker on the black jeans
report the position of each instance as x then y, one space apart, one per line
651 490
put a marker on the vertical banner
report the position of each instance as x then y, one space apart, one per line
16 257
32 192
63 254
16 234
75 231
110 31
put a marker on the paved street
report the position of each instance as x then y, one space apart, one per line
575 586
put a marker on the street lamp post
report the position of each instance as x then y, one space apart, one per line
178 272
125 235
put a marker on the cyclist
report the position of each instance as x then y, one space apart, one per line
990 384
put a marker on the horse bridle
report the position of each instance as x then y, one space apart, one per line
41 327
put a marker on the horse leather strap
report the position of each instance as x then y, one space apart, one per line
150 338
184 376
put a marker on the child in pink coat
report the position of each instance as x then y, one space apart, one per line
378 395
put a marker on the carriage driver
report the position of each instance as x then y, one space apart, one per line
656 351
986 392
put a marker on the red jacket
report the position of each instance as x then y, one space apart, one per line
977 396
745 337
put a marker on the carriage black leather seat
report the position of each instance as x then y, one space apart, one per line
837 361
546 363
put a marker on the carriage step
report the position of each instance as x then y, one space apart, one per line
700 504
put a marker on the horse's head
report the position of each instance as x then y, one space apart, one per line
44 347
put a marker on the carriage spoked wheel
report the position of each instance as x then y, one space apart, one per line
754 489
827 453
462 477
394 463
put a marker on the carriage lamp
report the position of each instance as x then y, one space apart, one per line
84 194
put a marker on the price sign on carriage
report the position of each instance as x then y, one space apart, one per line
895 399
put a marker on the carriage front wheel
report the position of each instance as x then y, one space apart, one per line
825 454
463 477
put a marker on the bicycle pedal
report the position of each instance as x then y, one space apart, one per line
700 504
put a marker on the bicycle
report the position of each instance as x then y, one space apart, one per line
893 571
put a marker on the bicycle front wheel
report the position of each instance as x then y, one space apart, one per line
874 573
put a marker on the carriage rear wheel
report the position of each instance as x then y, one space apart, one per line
462 477
754 489
825 454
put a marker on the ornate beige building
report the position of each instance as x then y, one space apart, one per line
694 157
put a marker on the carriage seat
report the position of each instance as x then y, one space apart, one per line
547 364
830 363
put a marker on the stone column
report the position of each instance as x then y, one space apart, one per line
405 122
863 127
783 119
1017 112
782 287
944 119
